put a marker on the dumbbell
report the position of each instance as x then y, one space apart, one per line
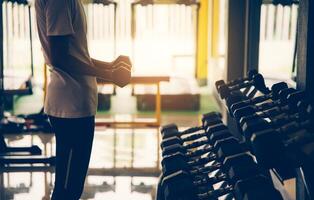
283 123
233 169
13 124
240 99
276 115
177 147
208 119
274 95
257 81
176 144
250 75
288 101
235 97
249 114
219 151
273 148
180 184
277 120
119 72
38 120
180 161
255 188
176 139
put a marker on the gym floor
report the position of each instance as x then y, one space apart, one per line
37 185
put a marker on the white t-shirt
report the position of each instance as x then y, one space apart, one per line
68 95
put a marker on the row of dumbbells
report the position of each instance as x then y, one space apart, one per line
276 123
208 162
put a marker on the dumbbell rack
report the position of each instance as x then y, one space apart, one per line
273 125
303 179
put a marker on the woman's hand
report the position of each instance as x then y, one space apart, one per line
121 71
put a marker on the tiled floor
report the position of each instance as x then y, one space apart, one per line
38 185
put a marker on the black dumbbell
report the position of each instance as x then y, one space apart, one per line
278 120
274 95
198 152
208 119
180 186
287 103
219 151
258 82
275 149
175 144
256 188
250 75
285 124
233 169
181 140
237 96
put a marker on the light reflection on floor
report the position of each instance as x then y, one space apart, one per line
33 186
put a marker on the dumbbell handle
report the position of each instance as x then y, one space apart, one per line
209 158
250 75
249 102
194 136
192 130
240 86
276 88
285 104
271 113
215 193
211 180
207 133
200 128
196 144
200 151
267 111
294 126
206 169
279 116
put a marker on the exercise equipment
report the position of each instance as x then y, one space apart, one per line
37 122
287 103
6 150
284 123
178 140
217 153
233 169
174 144
180 185
274 95
257 81
208 119
119 72
249 77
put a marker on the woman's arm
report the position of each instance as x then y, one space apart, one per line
60 58
102 64
117 72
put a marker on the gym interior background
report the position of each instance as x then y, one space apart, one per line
179 49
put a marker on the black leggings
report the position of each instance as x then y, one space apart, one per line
74 139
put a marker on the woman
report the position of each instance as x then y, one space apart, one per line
71 99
